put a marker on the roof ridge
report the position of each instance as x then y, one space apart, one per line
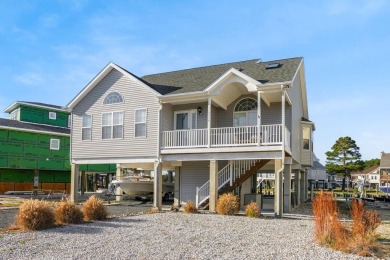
201 67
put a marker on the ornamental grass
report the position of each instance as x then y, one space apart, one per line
66 212
94 209
252 210
228 204
190 207
35 215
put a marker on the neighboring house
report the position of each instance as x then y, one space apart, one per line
368 176
317 175
336 181
384 169
214 126
35 145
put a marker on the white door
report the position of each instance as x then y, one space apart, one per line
185 120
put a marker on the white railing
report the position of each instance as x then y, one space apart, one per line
227 174
234 136
225 137
184 138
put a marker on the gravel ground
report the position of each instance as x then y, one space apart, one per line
172 236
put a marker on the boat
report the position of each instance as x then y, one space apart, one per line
140 185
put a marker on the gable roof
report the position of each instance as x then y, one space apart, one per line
104 72
198 79
31 127
368 170
33 104
385 160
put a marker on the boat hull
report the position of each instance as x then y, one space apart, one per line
140 187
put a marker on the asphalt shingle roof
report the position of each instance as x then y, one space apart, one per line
197 79
29 126
385 160
42 104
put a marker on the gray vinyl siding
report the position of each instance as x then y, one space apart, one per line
295 95
167 117
306 155
136 96
192 175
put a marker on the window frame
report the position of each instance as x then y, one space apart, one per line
112 125
86 127
308 140
192 122
52 115
123 100
51 144
146 123
245 112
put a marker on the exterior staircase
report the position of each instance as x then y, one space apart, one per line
230 177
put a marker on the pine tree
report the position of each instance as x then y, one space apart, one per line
343 158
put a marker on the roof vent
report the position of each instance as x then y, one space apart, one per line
273 65
259 61
239 69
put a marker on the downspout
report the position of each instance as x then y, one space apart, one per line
279 213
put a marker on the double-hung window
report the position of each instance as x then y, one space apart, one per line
54 144
86 132
306 137
112 125
140 122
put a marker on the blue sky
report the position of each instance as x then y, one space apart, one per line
51 49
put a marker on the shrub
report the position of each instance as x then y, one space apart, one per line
363 228
152 211
228 204
35 215
93 209
252 210
67 212
190 207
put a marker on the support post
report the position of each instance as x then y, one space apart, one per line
231 172
74 182
297 187
119 175
83 183
213 185
287 189
311 190
157 191
176 198
306 186
302 186
278 203
209 122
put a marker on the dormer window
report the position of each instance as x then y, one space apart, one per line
113 98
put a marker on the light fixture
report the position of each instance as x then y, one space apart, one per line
199 110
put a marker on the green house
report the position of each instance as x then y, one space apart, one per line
35 148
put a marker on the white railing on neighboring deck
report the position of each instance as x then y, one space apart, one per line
227 174
226 137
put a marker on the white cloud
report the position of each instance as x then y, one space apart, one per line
30 78
356 7
50 21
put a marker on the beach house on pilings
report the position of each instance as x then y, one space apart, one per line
216 127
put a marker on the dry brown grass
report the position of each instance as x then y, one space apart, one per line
152 211
35 215
228 204
360 238
252 210
67 212
190 207
94 209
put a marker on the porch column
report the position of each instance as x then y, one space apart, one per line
302 186
169 177
83 183
209 122
297 187
278 203
258 118
213 185
119 175
157 191
176 195
287 188
74 182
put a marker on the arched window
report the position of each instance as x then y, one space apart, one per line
112 98
245 112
